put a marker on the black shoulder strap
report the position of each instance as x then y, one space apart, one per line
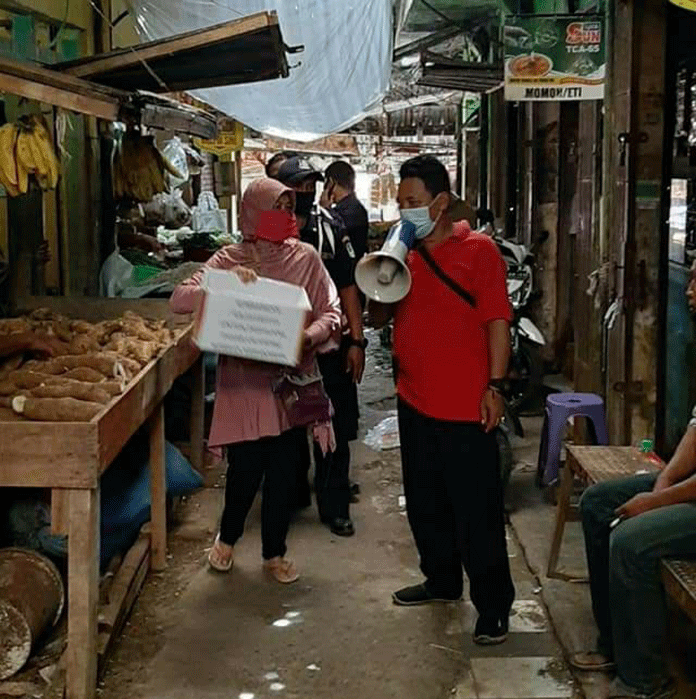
437 270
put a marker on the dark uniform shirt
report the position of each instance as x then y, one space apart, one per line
325 233
355 220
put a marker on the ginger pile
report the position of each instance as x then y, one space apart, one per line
93 364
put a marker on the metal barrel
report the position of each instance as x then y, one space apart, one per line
32 596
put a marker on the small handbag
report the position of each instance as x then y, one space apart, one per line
304 399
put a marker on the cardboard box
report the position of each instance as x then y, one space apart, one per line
264 320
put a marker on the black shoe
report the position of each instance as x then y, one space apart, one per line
340 526
491 631
418 594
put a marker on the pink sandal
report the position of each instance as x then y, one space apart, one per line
214 562
283 570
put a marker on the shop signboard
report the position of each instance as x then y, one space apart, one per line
228 141
554 58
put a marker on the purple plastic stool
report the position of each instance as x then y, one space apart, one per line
560 407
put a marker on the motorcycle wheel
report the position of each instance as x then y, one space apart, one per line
505 455
526 375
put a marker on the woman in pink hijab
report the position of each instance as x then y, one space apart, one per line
248 418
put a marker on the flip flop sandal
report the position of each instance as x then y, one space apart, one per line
214 564
591 662
283 570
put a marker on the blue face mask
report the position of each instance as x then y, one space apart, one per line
420 218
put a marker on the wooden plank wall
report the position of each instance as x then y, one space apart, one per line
67 218
567 217
588 310
636 96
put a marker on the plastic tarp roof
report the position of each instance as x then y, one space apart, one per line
341 75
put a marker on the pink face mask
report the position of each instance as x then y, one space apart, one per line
276 226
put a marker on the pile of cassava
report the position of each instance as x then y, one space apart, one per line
93 363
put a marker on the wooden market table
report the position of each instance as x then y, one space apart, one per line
590 465
70 458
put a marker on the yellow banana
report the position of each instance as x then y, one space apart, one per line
10 188
22 177
43 169
44 142
25 156
8 137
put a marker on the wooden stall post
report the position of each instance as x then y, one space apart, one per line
83 594
60 509
158 490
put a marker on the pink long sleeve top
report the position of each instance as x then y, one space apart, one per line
246 409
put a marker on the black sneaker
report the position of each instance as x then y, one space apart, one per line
490 631
418 594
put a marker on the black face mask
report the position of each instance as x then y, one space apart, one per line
304 201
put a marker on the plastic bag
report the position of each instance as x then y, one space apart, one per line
115 274
208 217
175 152
168 209
385 435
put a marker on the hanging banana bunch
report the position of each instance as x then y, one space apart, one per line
26 151
139 168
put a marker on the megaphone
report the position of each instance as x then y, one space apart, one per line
383 276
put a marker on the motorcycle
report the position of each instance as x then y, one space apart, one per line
526 364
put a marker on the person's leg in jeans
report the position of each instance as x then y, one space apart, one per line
598 510
475 492
246 464
428 506
636 595
278 489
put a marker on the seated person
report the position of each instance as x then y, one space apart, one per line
657 519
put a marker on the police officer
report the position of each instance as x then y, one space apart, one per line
343 369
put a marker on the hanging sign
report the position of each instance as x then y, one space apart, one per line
228 141
685 4
554 59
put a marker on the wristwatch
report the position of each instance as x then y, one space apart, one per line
352 342
500 386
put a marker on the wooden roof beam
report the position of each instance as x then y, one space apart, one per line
44 85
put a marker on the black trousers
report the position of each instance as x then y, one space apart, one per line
332 474
454 499
273 460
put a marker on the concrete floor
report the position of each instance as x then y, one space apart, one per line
336 633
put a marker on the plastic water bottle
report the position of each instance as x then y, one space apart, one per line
646 450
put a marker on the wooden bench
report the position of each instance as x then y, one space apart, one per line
679 578
590 465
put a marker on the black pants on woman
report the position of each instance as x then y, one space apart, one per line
454 499
272 460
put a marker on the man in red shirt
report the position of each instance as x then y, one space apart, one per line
451 348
